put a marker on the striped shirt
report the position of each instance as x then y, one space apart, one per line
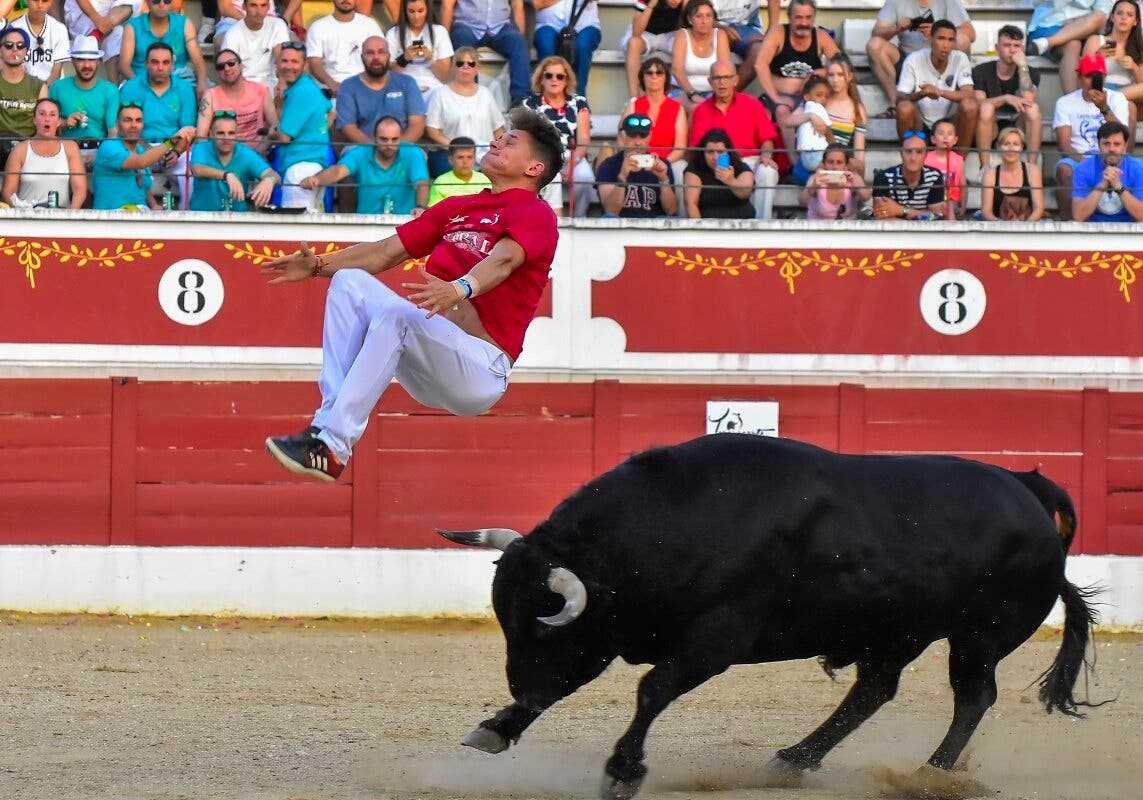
929 191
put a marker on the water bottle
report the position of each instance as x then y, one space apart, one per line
386 205
53 199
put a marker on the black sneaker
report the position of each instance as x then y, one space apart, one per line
305 454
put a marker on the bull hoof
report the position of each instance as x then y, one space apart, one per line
487 740
614 789
783 774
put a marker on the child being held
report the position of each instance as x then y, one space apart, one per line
948 162
814 134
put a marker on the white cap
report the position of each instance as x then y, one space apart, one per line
86 47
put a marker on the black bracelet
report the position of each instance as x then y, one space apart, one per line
402 61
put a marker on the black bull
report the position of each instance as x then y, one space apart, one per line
734 549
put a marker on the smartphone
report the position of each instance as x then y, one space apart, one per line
1097 81
833 177
923 19
724 160
417 43
644 160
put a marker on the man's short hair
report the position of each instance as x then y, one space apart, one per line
941 24
153 46
461 143
1010 32
1110 128
811 3
547 146
10 29
387 118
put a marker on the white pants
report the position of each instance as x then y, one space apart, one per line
294 196
765 187
373 335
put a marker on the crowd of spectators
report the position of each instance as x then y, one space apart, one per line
397 119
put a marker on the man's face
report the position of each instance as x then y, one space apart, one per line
1112 149
723 82
39 7
85 68
913 153
224 132
291 65
344 7
159 66
375 57
256 11
159 9
229 68
13 50
635 141
510 156
1006 49
943 42
387 139
462 161
130 124
802 20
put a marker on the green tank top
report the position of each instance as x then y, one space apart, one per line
17 107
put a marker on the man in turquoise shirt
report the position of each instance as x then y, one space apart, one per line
168 104
223 168
88 104
122 173
392 176
303 131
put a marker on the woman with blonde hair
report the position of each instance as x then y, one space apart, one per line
1014 190
847 115
554 96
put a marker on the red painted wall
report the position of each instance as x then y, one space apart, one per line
161 463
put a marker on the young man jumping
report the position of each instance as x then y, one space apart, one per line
451 344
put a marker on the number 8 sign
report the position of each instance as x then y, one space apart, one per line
953 301
191 292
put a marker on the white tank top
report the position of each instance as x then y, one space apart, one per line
698 69
42 174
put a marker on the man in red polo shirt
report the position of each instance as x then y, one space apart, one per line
489 258
750 128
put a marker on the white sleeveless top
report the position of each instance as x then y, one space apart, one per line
42 174
698 69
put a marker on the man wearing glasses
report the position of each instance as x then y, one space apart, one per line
258 40
122 171
392 176
48 47
452 342
303 131
379 92
88 104
19 91
910 190
634 182
251 103
224 169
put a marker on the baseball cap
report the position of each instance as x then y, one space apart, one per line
638 124
86 47
1092 63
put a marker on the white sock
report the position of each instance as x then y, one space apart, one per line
1041 43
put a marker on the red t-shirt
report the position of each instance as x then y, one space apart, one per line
745 121
459 232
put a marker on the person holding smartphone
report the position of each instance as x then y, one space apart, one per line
717 183
634 182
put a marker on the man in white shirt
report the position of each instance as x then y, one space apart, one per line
257 40
104 20
49 41
1077 120
937 83
333 44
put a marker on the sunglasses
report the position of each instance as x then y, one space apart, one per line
654 72
460 62
131 104
14 46
161 2
300 46
914 135
226 115
555 76
226 64
637 123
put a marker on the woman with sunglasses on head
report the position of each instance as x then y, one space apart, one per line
1121 45
419 47
250 101
554 87
669 124
462 107
48 49
161 24
45 170
698 44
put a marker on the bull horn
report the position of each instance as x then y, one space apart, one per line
564 582
498 538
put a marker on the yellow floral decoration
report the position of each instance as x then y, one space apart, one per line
250 251
1122 266
790 263
31 254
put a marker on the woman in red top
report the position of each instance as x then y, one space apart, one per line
668 120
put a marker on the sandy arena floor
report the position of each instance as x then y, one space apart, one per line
334 710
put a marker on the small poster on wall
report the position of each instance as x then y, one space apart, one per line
759 418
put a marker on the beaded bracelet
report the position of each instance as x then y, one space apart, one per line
319 265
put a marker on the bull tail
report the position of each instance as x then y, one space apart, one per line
1055 501
1057 683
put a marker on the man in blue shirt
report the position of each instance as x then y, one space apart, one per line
223 169
88 104
1109 187
303 130
378 92
168 104
498 24
122 171
392 176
